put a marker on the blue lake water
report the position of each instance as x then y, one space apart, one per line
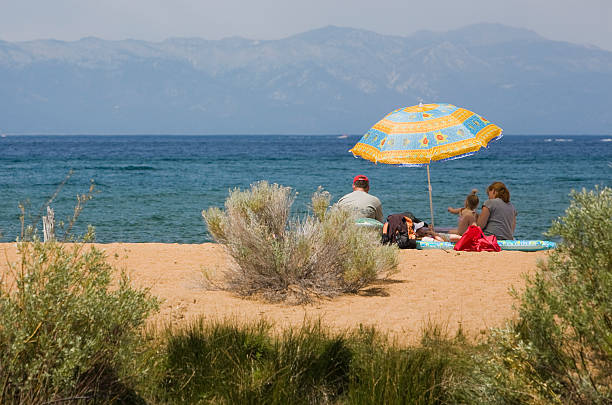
153 188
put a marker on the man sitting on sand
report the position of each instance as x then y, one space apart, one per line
365 204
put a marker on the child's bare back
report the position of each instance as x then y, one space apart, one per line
467 213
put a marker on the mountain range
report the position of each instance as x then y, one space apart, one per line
332 80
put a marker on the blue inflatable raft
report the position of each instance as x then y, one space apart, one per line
518 245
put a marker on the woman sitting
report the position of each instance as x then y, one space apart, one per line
498 215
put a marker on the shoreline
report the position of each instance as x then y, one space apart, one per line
467 290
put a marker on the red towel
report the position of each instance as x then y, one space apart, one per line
473 240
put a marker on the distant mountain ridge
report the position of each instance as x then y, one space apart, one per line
328 80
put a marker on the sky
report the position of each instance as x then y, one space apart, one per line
578 21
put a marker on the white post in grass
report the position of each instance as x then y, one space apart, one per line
48 225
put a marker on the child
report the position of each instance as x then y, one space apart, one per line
467 214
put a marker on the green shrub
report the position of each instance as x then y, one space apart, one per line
311 365
281 258
213 361
383 372
224 362
65 326
560 349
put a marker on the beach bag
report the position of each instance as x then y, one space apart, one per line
488 244
473 240
399 229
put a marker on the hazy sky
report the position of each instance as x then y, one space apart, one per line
578 21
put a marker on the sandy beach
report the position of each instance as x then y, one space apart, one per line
450 288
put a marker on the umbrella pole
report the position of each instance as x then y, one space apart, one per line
430 202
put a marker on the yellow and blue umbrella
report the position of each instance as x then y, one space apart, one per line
425 133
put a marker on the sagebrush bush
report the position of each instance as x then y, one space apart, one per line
560 348
281 258
65 325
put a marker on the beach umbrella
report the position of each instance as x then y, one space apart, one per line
419 135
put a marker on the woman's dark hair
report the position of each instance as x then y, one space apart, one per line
501 191
472 200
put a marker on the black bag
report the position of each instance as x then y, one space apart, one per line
404 242
395 230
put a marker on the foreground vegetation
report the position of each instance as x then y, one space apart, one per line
228 363
560 349
70 334
64 333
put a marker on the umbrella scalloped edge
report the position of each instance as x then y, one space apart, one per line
420 157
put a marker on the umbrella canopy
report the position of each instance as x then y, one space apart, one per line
421 134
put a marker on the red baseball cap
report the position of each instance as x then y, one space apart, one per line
360 177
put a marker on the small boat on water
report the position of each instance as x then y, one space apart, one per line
343 136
